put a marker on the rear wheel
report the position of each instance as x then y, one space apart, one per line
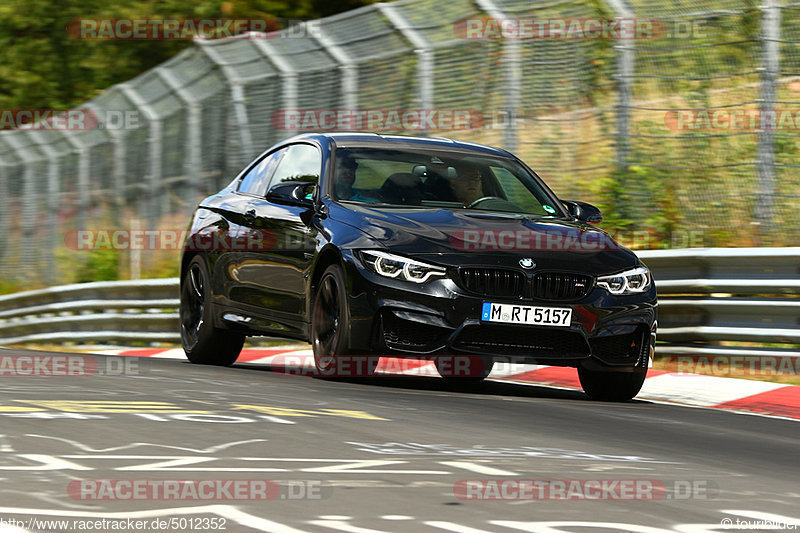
202 342
612 386
330 330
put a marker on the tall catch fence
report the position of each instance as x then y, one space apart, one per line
646 127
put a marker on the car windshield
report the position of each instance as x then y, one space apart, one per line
449 180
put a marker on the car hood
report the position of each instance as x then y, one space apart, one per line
475 238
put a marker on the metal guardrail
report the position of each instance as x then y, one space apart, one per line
105 311
705 296
713 295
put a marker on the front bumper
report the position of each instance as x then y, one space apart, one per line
439 317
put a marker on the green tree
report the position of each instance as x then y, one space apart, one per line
44 67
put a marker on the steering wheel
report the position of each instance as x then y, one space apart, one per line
483 199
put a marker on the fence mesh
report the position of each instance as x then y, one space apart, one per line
644 127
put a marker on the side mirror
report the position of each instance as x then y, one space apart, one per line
294 193
583 211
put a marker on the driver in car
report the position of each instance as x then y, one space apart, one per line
345 178
467 185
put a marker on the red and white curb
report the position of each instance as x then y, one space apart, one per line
741 395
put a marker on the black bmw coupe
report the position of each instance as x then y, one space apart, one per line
427 248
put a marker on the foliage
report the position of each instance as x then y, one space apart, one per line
44 67
99 265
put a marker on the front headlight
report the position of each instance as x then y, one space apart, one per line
630 281
395 266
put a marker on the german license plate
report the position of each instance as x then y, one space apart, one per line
523 314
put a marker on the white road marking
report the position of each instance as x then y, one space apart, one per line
210 449
46 462
397 517
277 420
456 528
553 527
478 468
343 526
361 466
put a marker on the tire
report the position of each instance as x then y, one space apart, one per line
202 342
612 386
330 330
464 368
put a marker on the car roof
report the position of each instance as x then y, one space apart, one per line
374 140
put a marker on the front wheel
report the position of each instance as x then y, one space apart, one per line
612 386
202 342
330 331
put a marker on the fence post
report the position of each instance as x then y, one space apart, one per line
347 66
30 218
83 177
288 74
770 70
513 86
238 100
626 59
422 48
5 215
192 167
155 143
52 202
117 161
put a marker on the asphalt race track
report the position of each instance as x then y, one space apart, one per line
399 454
